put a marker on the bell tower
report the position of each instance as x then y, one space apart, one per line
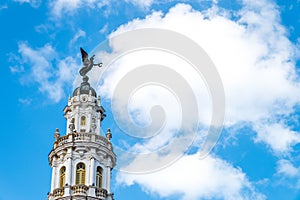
82 159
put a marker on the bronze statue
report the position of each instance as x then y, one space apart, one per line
87 63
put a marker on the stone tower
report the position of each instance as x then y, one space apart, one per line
82 159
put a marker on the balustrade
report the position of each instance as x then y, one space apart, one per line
100 192
79 189
59 192
101 139
82 137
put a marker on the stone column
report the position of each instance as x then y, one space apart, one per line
69 171
54 174
92 191
77 119
68 176
108 179
53 178
92 171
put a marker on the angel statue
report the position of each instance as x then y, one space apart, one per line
87 63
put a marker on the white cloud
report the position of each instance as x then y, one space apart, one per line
60 7
16 69
104 29
253 55
80 33
279 137
289 175
285 167
25 102
256 62
172 95
196 179
251 59
43 70
33 3
67 69
144 4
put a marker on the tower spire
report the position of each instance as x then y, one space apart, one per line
82 159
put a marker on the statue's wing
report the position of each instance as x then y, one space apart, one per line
84 54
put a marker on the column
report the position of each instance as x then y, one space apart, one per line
68 176
108 179
89 123
69 171
92 171
77 119
92 191
53 178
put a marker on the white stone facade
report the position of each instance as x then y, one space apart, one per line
82 159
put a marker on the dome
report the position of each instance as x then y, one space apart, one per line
85 88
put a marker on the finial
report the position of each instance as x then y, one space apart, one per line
88 64
108 134
56 134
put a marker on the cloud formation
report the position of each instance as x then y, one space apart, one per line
279 137
46 69
256 62
80 33
64 6
33 3
60 7
193 179
144 4
288 173
285 167
255 59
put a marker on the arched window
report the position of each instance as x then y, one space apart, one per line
99 177
62 177
83 121
80 174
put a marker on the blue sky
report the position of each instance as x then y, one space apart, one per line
254 45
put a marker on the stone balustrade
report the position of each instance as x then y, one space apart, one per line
79 189
82 190
59 192
102 140
82 136
100 192
62 140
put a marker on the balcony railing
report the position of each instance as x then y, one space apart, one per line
82 190
62 140
81 136
59 192
101 140
79 189
100 192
